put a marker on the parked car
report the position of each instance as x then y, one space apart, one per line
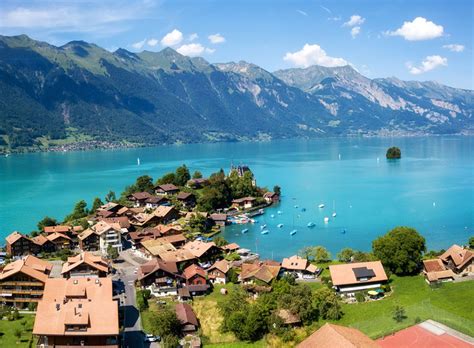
152 338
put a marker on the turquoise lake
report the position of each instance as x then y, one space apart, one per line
431 188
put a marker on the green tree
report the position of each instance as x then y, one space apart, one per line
327 303
46 221
277 190
393 153
298 300
182 175
306 252
197 175
400 250
345 255
96 204
164 322
399 314
112 252
220 241
321 254
471 243
360 256
198 223
168 178
144 183
79 211
17 332
110 197
169 341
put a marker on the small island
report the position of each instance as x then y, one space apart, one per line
394 153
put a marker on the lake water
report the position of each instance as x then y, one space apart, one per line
431 188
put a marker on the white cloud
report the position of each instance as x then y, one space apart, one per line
313 54
194 49
355 31
419 29
454 47
335 18
429 63
216 38
193 36
172 38
354 20
302 13
325 9
138 45
152 42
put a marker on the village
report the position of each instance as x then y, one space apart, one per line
149 269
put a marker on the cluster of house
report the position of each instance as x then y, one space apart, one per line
454 262
74 308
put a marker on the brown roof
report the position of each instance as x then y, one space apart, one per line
156 199
59 228
459 255
244 199
344 274
86 234
140 196
97 262
222 265
185 314
260 271
29 265
55 235
14 236
184 195
163 211
198 248
155 265
288 317
121 220
439 275
269 194
75 301
102 227
179 255
435 265
193 270
40 239
167 187
219 217
231 246
295 263
331 335
158 246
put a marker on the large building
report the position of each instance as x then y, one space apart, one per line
357 276
85 265
330 335
23 281
77 312
18 244
101 236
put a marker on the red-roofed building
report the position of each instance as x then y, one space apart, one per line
18 244
331 335
195 275
458 259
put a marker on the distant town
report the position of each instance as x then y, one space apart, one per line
149 268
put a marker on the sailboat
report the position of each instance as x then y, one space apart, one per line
321 206
265 232
326 219
280 225
245 230
334 209
293 232
138 161
311 224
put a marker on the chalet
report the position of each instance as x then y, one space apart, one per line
85 265
61 241
230 248
160 277
22 281
44 244
187 199
155 201
458 259
137 237
122 221
271 197
18 244
203 251
187 318
109 209
181 257
197 183
219 219
259 272
166 189
166 214
243 203
89 240
299 267
217 273
357 276
331 335
139 198
106 234
197 289
156 247
77 312
195 275
435 271
69 231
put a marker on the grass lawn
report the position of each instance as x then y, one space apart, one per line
7 330
451 304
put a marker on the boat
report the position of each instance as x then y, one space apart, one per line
293 232
263 226
279 212
311 224
272 216
265 232
245 230
303 209
296 206
334 209
321 206
138 161
343 231
256 213
326 219
280 225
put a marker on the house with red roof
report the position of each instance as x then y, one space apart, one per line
195 275
460 260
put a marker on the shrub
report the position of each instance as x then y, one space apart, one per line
360 297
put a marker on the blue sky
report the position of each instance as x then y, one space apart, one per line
412 40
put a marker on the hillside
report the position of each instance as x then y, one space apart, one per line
81 93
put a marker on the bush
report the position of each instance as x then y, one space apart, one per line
360 296
393 153
386 288
399 314
288 335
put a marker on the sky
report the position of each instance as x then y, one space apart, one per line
408 39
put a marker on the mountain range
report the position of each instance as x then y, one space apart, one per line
80 92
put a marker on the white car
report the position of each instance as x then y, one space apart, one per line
152 338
